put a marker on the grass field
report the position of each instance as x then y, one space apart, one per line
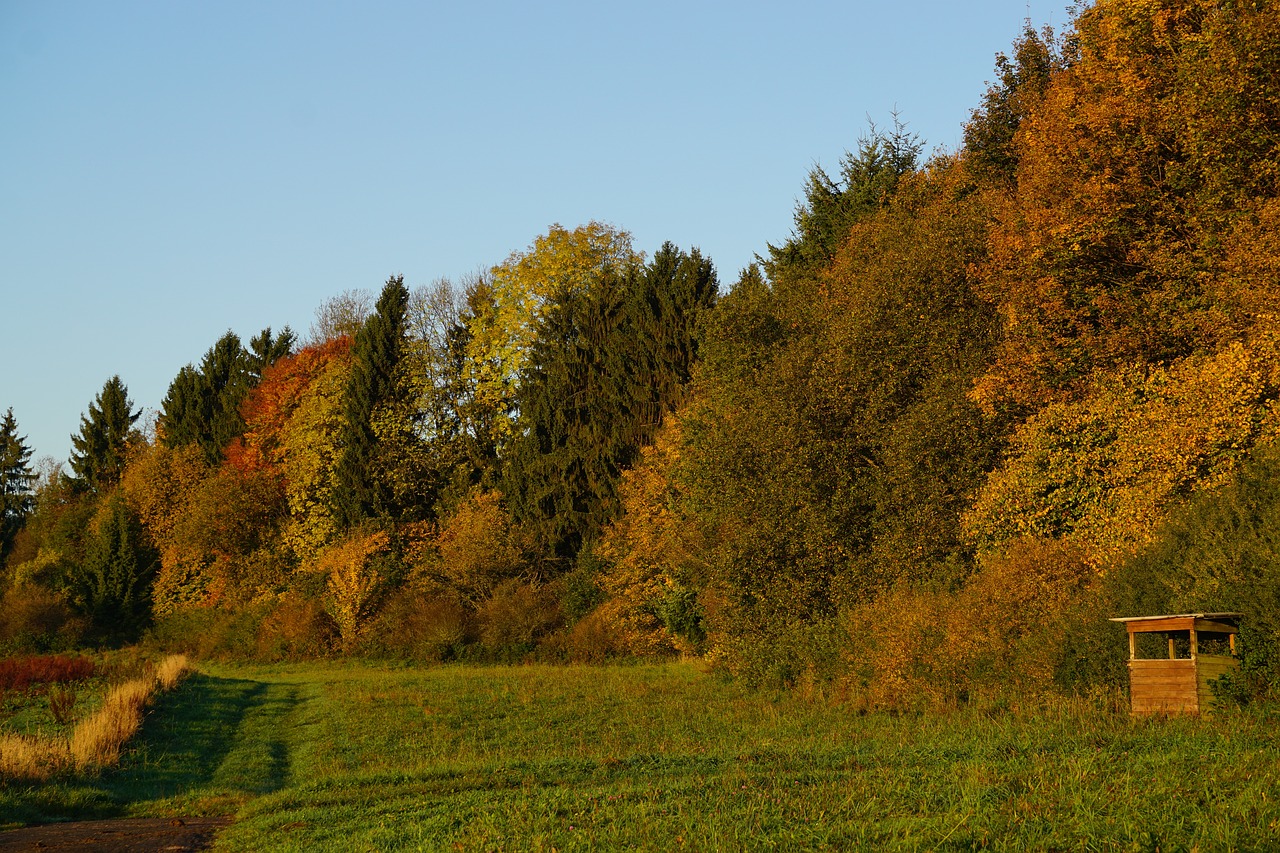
351 757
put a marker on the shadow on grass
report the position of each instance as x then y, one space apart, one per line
203 748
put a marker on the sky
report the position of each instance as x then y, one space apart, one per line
173 170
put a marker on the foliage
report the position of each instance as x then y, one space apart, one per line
101 449
113 586
990 147
653 555
832 206
1105 470
202 406
516 615
479 548
830 449
356 582
36 619
611 358
359 493
505 313
1153 143
16 479
293 423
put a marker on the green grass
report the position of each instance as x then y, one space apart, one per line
330 757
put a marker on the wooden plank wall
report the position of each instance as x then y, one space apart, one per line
1163 686
1209 667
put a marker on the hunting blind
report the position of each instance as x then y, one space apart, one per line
1172 659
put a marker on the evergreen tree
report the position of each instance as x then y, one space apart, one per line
203 404
99 451
866 183
1022 80
113 585
610 359
359 495
16 478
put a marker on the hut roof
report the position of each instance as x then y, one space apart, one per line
1223 621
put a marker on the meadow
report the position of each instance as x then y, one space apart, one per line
328 756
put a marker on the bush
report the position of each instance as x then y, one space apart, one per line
210 632
516 616
297 627
33 619
20 673
420 626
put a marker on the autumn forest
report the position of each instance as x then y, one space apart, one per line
976 403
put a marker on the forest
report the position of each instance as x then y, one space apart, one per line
975 404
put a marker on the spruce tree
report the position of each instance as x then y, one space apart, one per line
202 405
99 451
16 479
359 494
113 585
610 360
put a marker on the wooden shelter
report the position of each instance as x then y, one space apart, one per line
1199 648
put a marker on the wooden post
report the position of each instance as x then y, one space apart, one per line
1133 647
1194 647
1173 654
1231 638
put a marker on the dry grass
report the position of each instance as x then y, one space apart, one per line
96 742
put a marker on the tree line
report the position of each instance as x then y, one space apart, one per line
974 404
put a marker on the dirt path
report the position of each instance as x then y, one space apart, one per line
131 835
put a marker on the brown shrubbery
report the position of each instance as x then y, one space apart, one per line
20 673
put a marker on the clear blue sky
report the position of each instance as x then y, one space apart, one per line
172 170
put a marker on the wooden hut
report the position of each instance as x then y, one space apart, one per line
1169 673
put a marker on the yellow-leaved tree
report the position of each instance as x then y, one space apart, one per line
518 290
354 583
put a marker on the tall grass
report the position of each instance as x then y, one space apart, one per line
96 742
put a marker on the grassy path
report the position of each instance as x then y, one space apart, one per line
327 757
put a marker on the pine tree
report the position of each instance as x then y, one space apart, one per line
16 479
99 451
358 494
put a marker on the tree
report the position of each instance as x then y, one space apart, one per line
16 479
100 450
341 316
610 359
202 406
501 334
113 585
1021 81
358 494
867 181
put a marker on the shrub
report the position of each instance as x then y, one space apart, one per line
516 615
419 625
478 547
210 632
23 672
296 627
356 582
34 619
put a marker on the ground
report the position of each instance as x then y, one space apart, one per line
131 835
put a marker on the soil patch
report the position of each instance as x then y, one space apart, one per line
131 835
